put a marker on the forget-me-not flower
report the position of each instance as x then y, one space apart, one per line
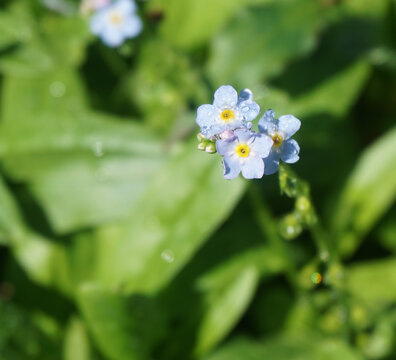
116 22
228 111
244 153
280 131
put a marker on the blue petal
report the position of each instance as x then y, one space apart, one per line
271 163
262 145
206 115
249 110
288 125
97 23
290 150
132 27
231 167
226 147
253 168
125 6
244 136
267 123
225 97
112 37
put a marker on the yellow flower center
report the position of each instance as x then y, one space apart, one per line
277 139
227 115
242 150
115 18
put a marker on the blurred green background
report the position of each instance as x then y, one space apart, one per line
120 241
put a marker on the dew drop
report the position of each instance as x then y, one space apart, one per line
324 255
98 149
57 89
168 256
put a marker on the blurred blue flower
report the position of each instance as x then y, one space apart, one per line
280 131
228 111
116 22
244 152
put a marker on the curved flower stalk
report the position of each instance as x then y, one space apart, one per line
226 128
116 22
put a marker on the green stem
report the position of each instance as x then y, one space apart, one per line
114 62
270 232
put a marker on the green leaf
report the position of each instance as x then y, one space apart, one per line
188 23
373 282
56 92
154 85
287 348
11 225
124 327
76 344
259 42
15 26
43 260
334 95
169 223
226 303
368 193
51 42
94 166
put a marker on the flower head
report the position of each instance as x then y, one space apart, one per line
244 153
280 131
116 22
228 112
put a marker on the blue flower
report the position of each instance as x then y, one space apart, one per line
244 152
283 147
116 22
228 111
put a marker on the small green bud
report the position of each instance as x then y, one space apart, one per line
303 204
210 148
202 146
290 227
201 137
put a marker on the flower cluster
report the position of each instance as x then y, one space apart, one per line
226 127
113 21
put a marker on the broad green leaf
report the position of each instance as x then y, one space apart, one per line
124 327
366 8
43 260
334 96
189 23
76 343
368 193
259 42
373 282
11 225
15 26
154 85
53 42
226 303
286 348
178 211
227 291
57 91
94 166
